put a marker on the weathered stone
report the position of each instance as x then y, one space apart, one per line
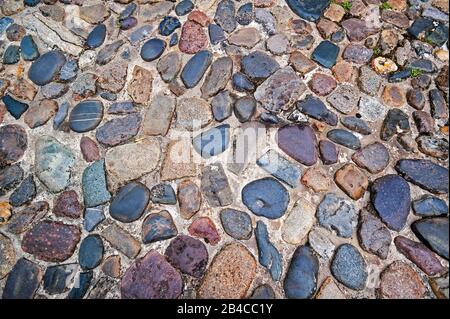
317 179
299 222
336 213
119 130
349 267
280 168
400 281
373 235
373 157
158 116
169 66
193 38
344 98
218 77
140 86
112 77
24 219
39 115
299 142
188 254
258 66
237 224
18 288
121 240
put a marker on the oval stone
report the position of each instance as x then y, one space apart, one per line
97 36
157 227
258 66
90 253
237 224
213 141
301 277
266 197
344 138
299 142
86 116
130 202
195 68
46 68
349 267
433 232
152 49
188 254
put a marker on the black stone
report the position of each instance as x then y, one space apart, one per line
22 281
152 49
25 193
310 10
423 65
14 107
258 66
433 232
399 76
168 25
46 68
420 26
315 108
195 68
86 116
242 83
90 253
344 138
225 15
130 202
395 120
97 37
163 194
222 106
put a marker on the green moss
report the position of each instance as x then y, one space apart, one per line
376 51
385 6
416 73
347 5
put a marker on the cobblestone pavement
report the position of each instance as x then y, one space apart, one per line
224 149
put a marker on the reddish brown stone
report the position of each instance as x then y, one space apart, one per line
111 266
400 281
189 198
51 241
113 76
193 38
89 149
151 277
322 84
188 254
343 71
352 181
199 17
13 143
299 142
394 95
22 220
39 115
204 227
24 90
67 205
419 254
140 87
3 111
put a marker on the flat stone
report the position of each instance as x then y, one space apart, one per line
193 38
56 278
195 68
269 256
54 90
299 222
400 281
94 188
322 84
352 181
357 53
67 205
96 37
218 77
267 20
90 254
357 30
369 81
22 89
432 146
280 167
245 108
11 55
425 174
14 107
151 277
28 48
263 292
84 87
215 186
338 214
329 290
152 49
373 235
169 66
216 34
39 115
326 54
373 157
430 206
420 255
301 278
245 14
53 163
371 109
433 232
158 227
229 275
344 98
112 266
140 86
119 130
163 194
328 152
18 288
193 113
438 105
310 10
93 216
188 254
258 66
245 37
89 149
86 116
79 291
344 138
94 14
393 95
213 141
349 267
317 179
13 144
46 68
189 198
51 241
112 77
7 255
222 105
319 240
266 197
356 124
168 25
225 15
299 142
315 108
130 202
396 122
236 224
301 63
158 116
121 240
424 122
25 193
24 219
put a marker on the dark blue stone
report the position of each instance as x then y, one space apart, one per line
212 142
310 10
195 68
301 278
268 255
400 76
258 66
433 232
86 116
326 54
56 278
14 107
420 26
79 290
97 37
424 173
157 227
152 49
168 25
280 167
242 83
349 267
184 7
22 281
90 253
225 15
28 48
356 124
173 40
315 108
130 202
424 65
128 11
430 206
11 55
61 115
163 194
5 22
344 138
391 198
92 217
31 3
237 224
108 96
46 68
269 118
216 34
245 14
266 197
338 36
24 193
438 36
128 23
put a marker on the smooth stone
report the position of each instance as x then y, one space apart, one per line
328 152
152 49
299 142
430 206
130 202
25 193
423 65
163 194
433 232
84 282
349 267
10 177
242 83
96 37
225 15
217 78
56 278
112 266
245 14
269 118
11 55
315 108
425 174
184 7
188 254
169 66
266 197
438 105
93 216
151 277
222 106
356 124
28 48
344 138
18 288
245 108
122 240
46 68
338 214
310 10
399 76
195 68
5 22
401 281
158 227
280 167
128 23
213 141
168 25
119 130
216 34
373 235
215 186
373 157
94 187
205 228
258 66
391 198
269 256
86 116
90 254
236 224
14 107
61 115
301 278
263 292
326 54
